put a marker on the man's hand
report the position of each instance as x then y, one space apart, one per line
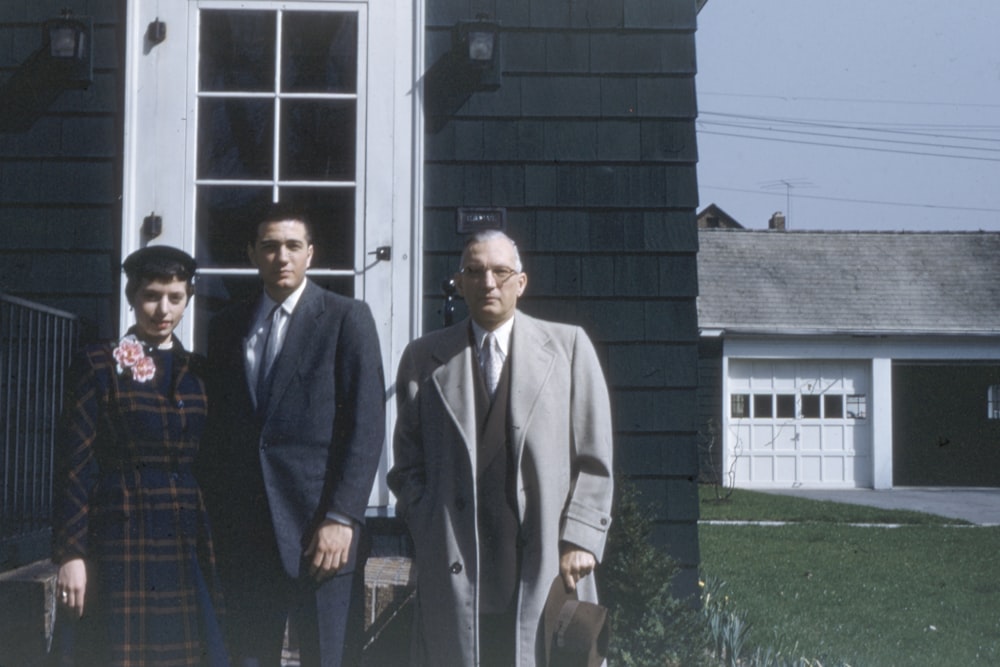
574 565
71 585
329 549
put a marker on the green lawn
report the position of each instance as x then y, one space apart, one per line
925 593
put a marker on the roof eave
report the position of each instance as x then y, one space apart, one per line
785 332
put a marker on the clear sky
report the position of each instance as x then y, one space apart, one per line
851 114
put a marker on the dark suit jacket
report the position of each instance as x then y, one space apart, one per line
316 447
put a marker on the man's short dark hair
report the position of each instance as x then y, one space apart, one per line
280 212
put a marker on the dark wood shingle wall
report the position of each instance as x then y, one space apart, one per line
589 144
61 174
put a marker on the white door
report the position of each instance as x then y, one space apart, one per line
234 104
798 423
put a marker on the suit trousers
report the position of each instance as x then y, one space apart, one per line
497 638
325 620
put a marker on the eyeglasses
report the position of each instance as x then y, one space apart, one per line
501 274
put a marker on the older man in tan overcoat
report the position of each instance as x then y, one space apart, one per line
503 488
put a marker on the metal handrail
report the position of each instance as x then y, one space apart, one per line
36 344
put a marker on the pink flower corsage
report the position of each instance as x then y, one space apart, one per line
133 360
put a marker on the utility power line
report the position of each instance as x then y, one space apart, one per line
974 209
882 128
850 137
850 100
851 147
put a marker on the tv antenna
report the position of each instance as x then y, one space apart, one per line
788 184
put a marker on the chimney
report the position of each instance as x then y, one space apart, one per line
777 222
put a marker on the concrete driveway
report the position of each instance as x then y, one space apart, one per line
976 505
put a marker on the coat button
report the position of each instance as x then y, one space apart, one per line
604 522
456 567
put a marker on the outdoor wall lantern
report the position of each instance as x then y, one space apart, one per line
64 61
477 43
70 49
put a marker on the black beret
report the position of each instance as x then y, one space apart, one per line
155 259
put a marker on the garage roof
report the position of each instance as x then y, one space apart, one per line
797 282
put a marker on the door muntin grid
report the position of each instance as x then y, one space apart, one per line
279 117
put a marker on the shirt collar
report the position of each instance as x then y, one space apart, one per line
267 304
502 333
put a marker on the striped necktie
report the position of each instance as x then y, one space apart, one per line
492 363
268 353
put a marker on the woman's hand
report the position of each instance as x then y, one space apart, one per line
71 585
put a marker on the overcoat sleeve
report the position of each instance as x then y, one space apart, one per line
76 466
587 516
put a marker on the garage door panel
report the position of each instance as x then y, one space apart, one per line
784 438
810 438
799 427
812 469
833 439
739 439
763 469
784 383
785 469
740 371
861 469
835 469
763 438
742 467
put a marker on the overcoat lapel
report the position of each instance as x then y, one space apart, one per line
532 360
299 328
455 381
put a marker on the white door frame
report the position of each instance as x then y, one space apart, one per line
158 167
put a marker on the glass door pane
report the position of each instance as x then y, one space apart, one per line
278 119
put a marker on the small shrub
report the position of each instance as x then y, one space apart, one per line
649 626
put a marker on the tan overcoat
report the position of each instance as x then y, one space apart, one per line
560 426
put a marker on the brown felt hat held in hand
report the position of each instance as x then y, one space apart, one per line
575 633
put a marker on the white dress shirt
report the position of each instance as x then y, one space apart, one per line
260 329
502 334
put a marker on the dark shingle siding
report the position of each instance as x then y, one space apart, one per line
589 144
60 201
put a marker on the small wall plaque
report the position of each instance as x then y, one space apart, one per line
472 220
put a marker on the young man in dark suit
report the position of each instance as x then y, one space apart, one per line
298 407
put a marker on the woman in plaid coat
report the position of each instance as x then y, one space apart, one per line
130 530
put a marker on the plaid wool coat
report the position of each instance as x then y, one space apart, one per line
128 503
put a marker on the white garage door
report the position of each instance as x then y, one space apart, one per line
798 423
